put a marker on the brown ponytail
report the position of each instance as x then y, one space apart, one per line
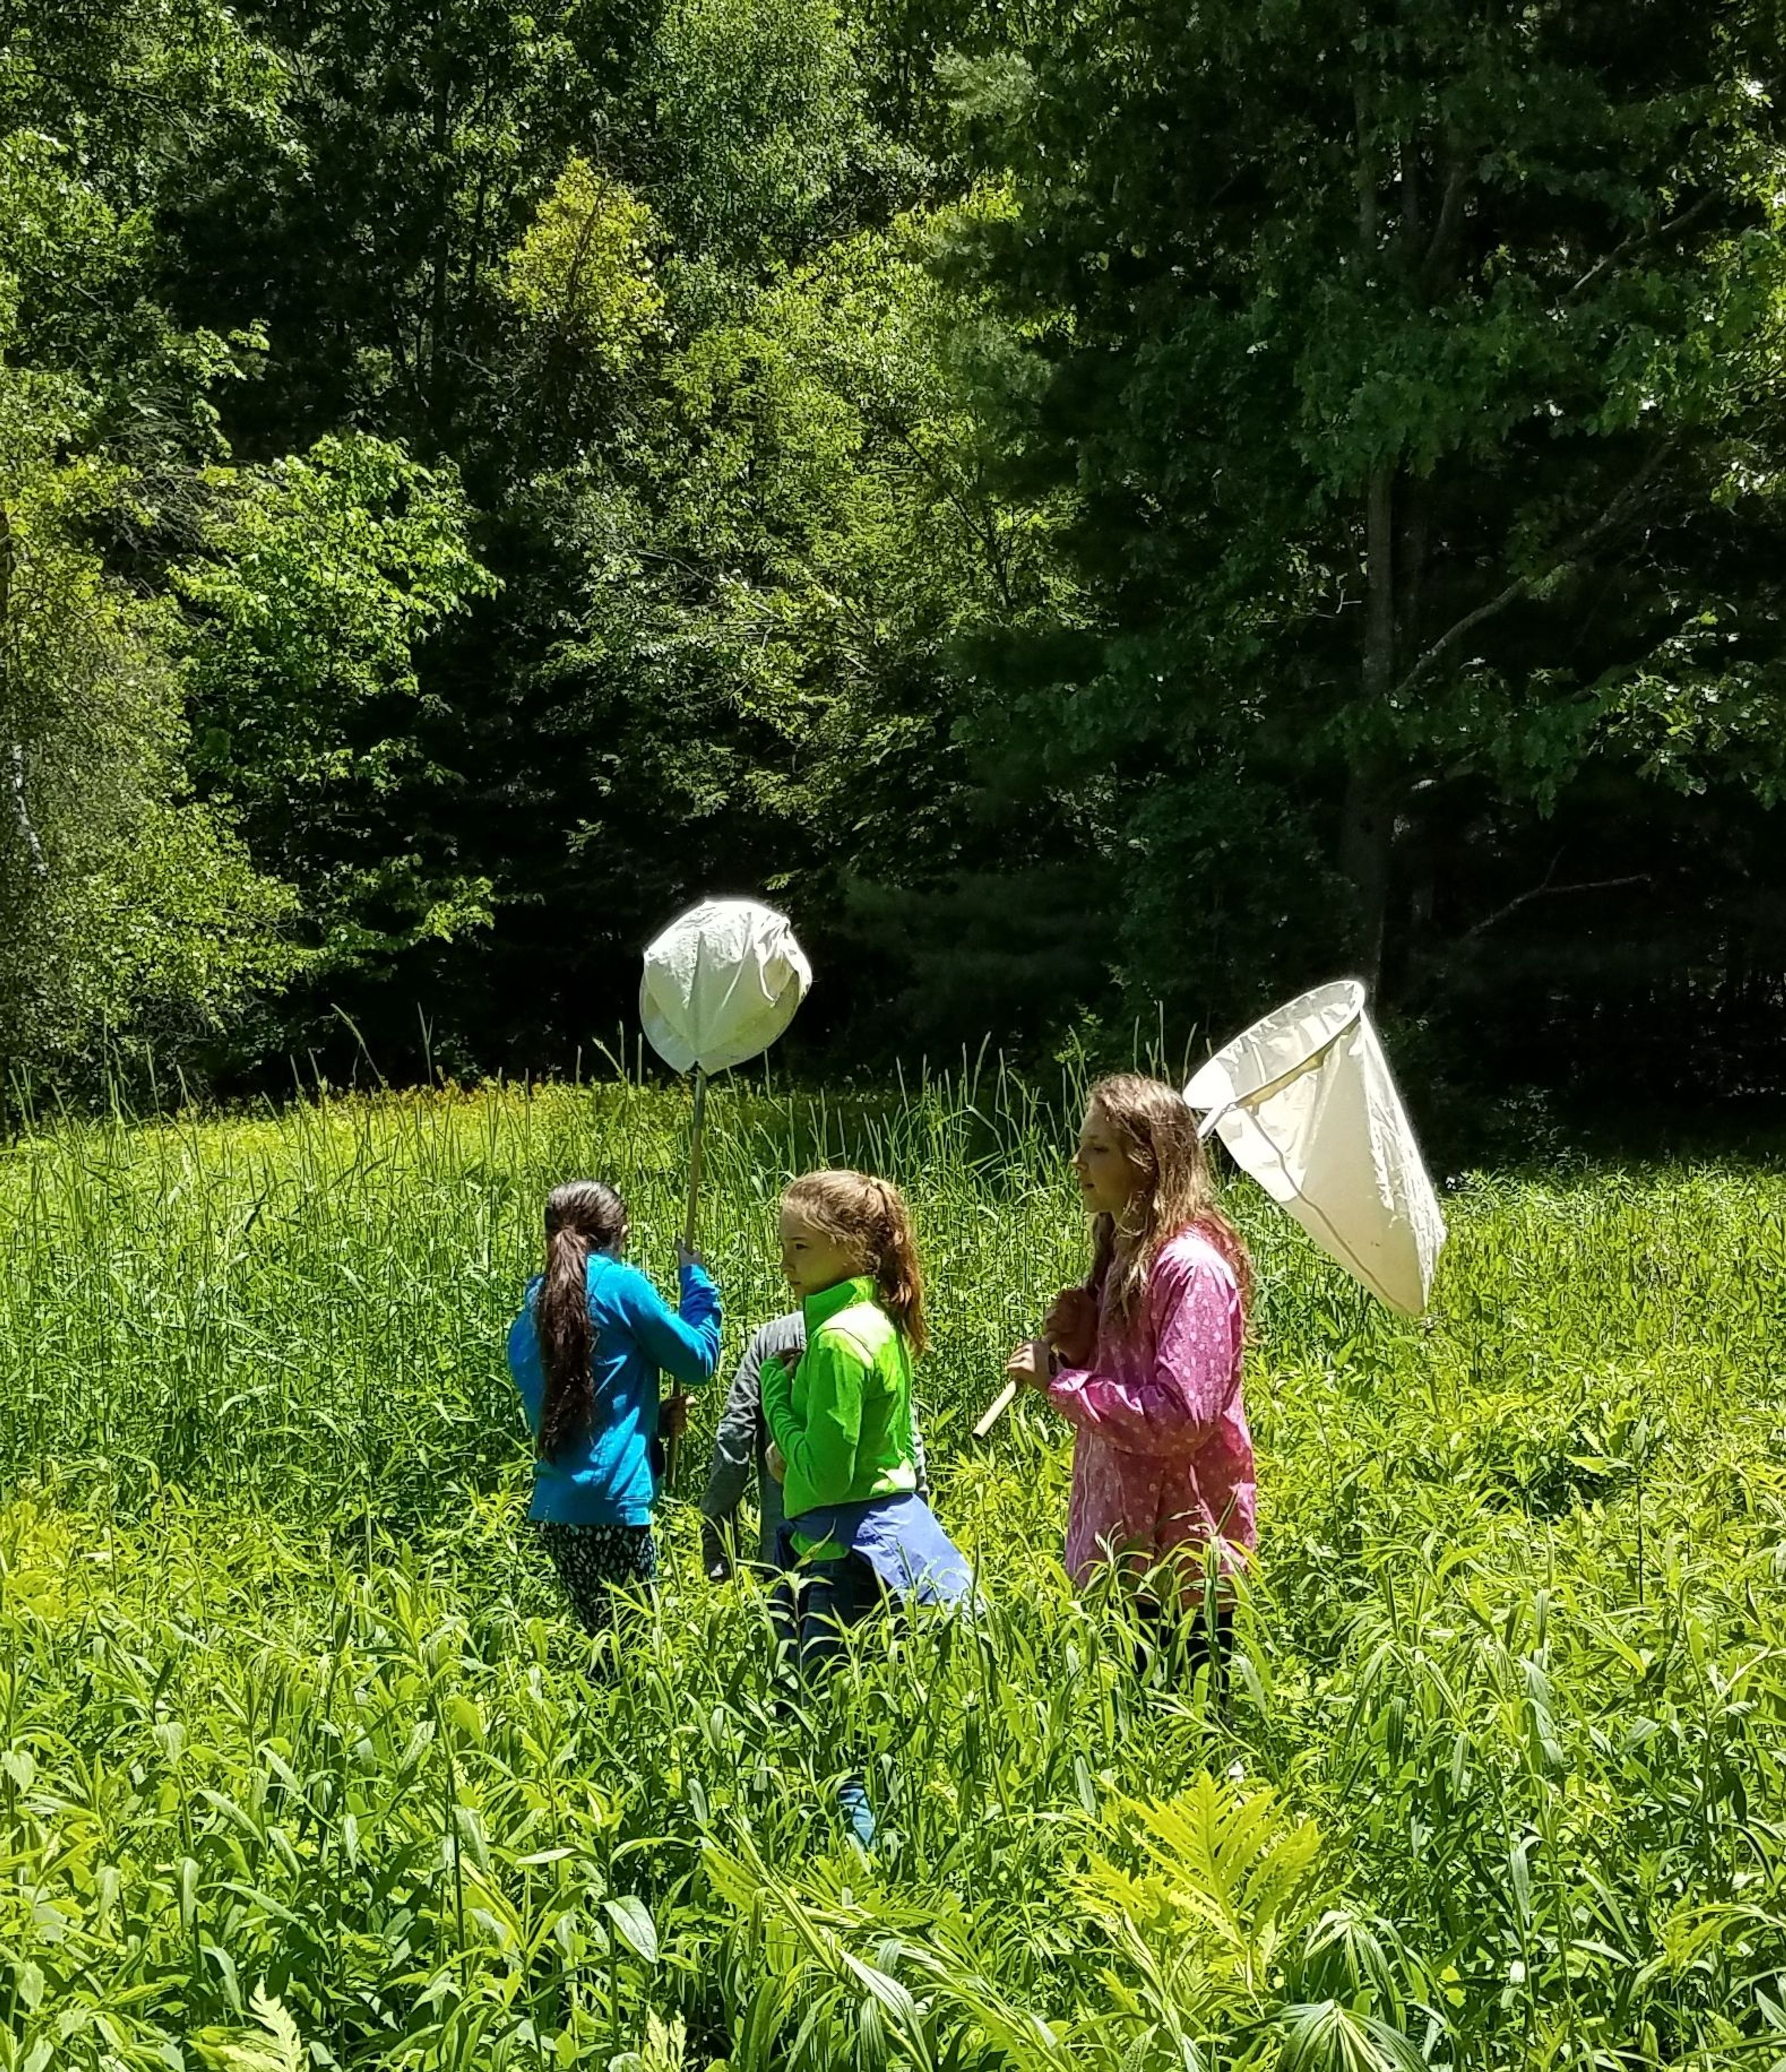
581 1217
858 1210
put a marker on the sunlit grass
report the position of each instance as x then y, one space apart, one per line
288 1707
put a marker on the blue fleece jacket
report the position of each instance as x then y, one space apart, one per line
609 1477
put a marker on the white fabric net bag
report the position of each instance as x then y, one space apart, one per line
1305 1102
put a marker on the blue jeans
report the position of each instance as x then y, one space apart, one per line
813 1607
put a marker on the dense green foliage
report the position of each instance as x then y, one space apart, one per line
300 1763
1416 372
1090 503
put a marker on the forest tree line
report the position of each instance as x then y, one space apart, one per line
1099 508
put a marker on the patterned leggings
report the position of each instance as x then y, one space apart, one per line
593 1561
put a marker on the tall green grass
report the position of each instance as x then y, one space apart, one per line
302 1762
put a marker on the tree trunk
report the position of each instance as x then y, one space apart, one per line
1367 818
435 402
1366 826
15 760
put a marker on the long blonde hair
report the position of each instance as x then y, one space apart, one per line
1158 1136
855 1208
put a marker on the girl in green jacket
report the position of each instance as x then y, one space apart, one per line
855 1532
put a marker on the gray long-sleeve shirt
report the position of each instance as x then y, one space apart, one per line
741 1443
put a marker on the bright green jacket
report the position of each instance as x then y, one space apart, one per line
843 1417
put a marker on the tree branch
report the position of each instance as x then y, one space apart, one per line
1638 238
1547 890
1615 515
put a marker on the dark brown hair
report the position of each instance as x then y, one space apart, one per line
581 1217
1175 1190
856 1209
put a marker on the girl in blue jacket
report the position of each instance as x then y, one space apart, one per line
586 1352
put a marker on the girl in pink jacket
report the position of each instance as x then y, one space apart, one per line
1144 1362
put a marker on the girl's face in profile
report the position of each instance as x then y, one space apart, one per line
1107 1180
813 1260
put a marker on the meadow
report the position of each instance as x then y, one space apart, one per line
302 1762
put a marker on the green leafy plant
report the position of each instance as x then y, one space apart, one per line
292 1718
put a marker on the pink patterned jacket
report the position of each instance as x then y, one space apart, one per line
1162 1457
